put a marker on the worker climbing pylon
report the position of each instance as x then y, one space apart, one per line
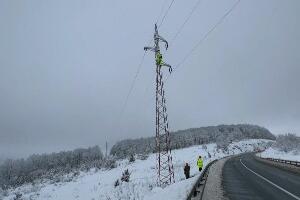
159 61
158 55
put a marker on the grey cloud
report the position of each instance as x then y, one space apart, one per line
66 68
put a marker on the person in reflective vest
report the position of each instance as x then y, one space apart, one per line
200 163
160 62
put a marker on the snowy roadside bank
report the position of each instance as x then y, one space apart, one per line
99 185
277 154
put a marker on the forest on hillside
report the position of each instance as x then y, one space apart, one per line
52 166
222 135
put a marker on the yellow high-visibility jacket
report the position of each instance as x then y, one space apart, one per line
158 59
200 162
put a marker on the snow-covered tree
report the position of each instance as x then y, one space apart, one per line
287 142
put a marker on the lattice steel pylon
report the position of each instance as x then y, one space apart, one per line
164 166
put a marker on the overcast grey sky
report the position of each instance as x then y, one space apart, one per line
66 68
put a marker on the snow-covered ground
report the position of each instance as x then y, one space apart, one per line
275 153
99 185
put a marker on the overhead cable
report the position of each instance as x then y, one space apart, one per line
220 21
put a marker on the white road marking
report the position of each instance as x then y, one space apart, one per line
280 188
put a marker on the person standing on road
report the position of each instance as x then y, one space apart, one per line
200 163
187 170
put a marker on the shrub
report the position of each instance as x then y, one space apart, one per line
109 163
117 183
142 156
131 158
125 176
17 196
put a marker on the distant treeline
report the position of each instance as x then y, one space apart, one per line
222 135
17 172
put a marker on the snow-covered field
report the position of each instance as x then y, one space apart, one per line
274 153
99 185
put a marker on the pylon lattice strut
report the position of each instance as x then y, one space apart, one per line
164 166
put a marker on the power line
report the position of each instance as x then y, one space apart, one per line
181 27
131 87
186 20
207 34
166 13
161 10
177 33
142 61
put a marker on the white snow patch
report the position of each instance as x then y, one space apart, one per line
275 153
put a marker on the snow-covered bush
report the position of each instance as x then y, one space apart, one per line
142 156
131 158
18 196
288 142
125 176
117 183
109 163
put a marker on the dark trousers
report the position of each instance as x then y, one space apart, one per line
200 169
187 176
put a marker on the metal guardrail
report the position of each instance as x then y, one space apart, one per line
290 162
203 177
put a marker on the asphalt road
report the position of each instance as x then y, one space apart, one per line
246 178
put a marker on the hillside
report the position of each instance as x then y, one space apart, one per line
100 184
222 135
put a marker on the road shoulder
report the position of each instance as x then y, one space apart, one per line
213 188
